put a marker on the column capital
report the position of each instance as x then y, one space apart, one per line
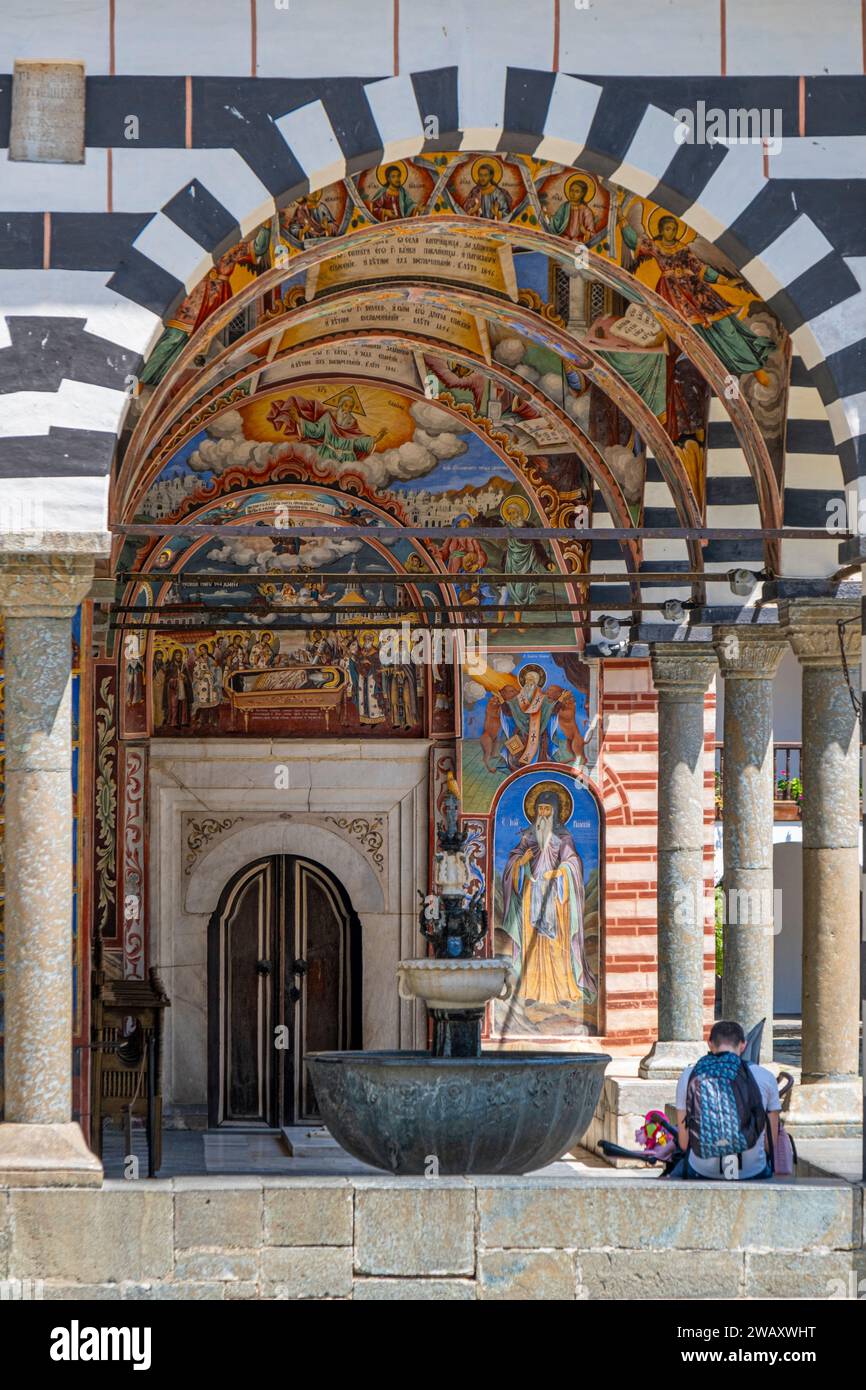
749 653
44 583
811 625
682 671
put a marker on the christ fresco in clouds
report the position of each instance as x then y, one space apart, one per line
334 432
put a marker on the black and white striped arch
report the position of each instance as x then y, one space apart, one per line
71 333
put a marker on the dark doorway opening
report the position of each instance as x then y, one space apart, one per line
284 980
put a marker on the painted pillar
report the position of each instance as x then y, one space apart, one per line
748 660
39 594
830 770
681 675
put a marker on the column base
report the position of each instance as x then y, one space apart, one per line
47 1156
826 1109
666 1060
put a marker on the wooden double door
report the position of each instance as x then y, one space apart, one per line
284 974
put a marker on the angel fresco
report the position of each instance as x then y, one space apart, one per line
208 296
708 300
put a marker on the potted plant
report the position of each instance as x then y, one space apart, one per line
789 794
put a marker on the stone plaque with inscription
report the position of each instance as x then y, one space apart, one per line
47 113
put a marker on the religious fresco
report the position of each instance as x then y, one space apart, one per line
293 649
400 189
575 206
232 271
370 439
653 245
412 460
488 186
546 866
232 681
704 287
433 410
521 709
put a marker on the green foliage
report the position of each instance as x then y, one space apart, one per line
789 789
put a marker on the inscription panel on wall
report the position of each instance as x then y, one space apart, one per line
47 113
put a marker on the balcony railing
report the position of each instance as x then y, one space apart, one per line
788 794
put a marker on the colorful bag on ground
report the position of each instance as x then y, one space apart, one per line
724 1111
656 1134
784 1154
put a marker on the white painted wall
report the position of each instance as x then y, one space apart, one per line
234 780
370 38
787 702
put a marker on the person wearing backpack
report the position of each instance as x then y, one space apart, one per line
727 1111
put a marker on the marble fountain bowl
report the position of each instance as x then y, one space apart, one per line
456 984
502 1112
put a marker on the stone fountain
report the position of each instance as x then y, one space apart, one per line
456 1109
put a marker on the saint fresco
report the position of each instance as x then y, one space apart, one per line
546 862
396 190
487 186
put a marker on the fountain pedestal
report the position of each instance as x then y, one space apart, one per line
456 1032
456 993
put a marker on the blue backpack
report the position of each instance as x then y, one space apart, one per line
724 1110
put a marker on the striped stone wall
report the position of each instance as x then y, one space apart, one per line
628 774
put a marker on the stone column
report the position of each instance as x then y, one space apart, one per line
682 675
748 660
39 1143
830 770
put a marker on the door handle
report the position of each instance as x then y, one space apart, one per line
263 967
299 966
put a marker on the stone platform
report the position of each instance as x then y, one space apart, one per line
588 1236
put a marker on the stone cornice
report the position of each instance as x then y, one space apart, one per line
44 584
682 672
746 653
812 627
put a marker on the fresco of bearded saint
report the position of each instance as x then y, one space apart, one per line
543 896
